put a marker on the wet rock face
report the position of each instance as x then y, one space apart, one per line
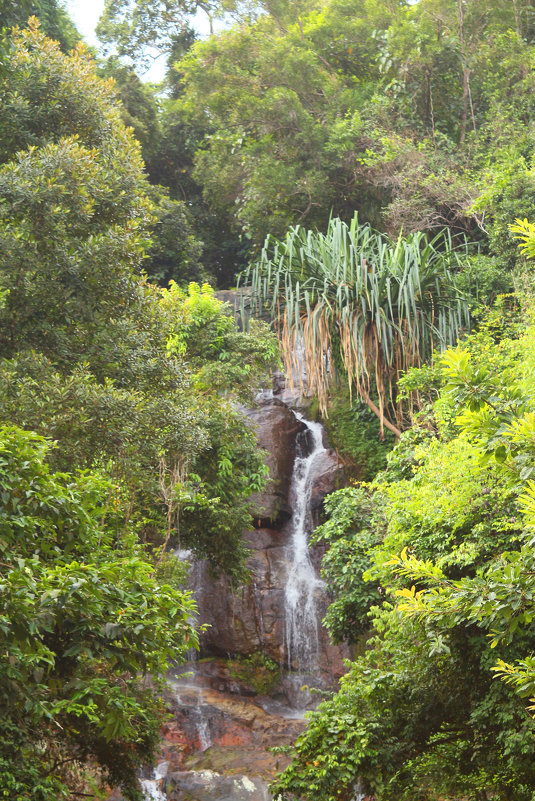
216 746
210 720
327 476
251 618
276 430
254 617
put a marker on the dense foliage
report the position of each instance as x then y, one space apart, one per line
120 400
84 620
84 337
421 713
138 387
54 19
418 115
355 433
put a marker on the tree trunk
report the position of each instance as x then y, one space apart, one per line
467 94
466 97
518 22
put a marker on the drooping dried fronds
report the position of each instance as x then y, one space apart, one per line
377 305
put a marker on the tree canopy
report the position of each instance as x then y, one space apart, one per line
392 109
417 115
54 19
150 446
144 30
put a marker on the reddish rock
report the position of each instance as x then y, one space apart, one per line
204 719
218 737
215 729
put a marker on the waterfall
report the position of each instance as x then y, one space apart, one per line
195 586
189 697
218 722
152 787
360 794
301 629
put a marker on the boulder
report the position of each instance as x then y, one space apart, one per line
206 785
327 476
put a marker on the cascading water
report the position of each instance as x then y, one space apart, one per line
189 696
152 787
217 726
302 643
360 793
185 555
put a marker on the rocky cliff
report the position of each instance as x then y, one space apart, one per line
253 618
243 696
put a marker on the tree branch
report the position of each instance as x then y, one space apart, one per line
384 420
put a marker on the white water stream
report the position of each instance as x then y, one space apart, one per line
301 613
302 644
190 696
152 787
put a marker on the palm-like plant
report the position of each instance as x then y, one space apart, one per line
376 305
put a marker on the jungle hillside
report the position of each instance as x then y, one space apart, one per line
358 178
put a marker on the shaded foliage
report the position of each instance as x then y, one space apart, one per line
84 620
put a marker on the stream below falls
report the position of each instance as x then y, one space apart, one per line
217 743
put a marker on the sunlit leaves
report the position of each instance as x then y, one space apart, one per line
524 232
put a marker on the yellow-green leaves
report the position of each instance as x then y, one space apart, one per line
524 232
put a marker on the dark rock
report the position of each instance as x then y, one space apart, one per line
253 618
223 675
206 785
327 476
260 539
276 430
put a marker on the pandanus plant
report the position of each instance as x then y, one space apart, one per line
355 298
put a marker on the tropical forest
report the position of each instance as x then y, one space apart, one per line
267 400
